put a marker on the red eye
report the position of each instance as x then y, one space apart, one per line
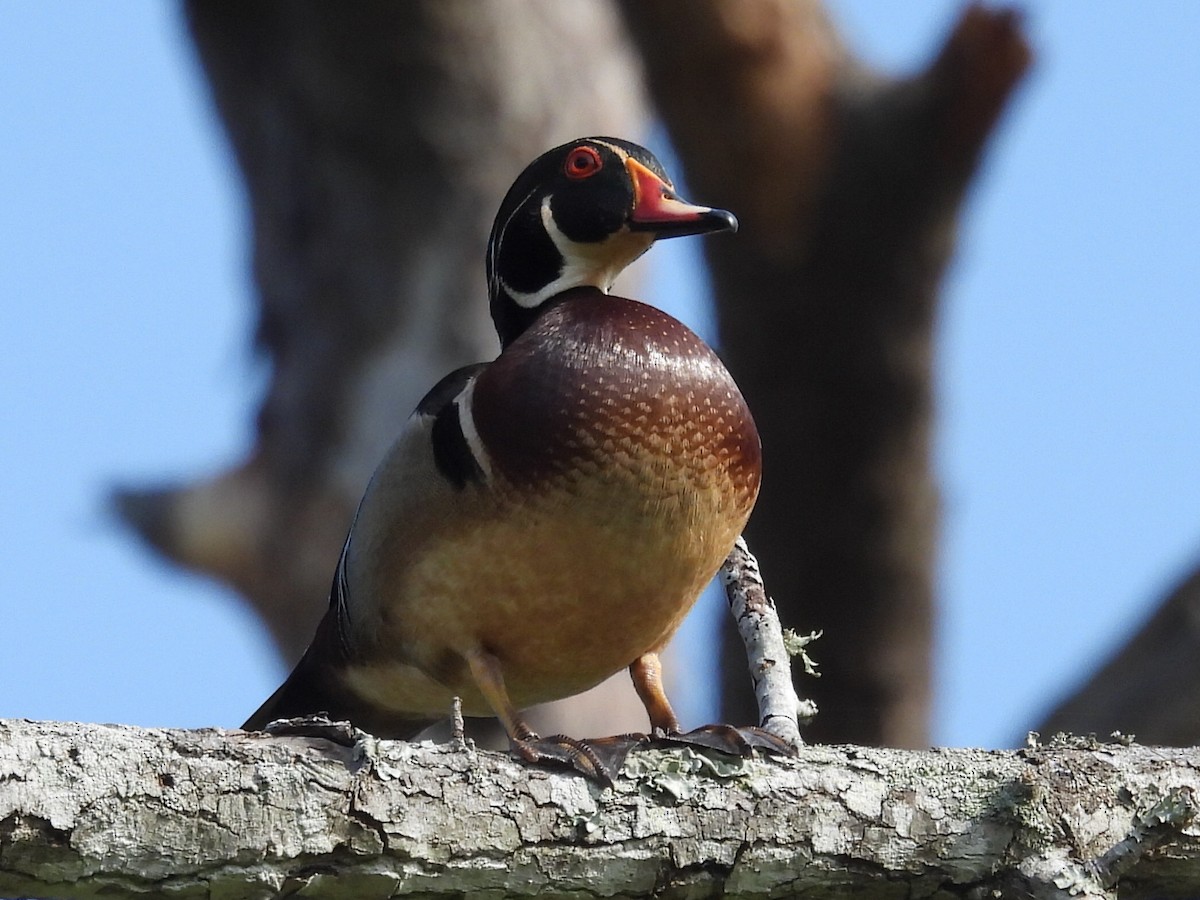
582 162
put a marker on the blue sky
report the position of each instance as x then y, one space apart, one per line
1069 376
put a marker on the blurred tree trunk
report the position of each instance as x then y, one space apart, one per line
848 186
1150 688
376 140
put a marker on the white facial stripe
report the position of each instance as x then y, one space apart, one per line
498 238
622 154
466 421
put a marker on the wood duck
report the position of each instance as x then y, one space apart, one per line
548 518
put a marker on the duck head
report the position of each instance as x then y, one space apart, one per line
578 215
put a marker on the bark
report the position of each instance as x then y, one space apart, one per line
88 810
1150 688
847 185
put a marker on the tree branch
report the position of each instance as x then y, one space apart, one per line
91 809
779 709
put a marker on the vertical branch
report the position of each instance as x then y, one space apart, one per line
779 709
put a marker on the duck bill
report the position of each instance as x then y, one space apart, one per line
658 210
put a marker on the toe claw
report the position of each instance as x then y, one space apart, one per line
611 751
595 758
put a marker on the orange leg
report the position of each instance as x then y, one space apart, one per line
646 672
580 755
485 669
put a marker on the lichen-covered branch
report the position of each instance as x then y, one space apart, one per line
761 633
87 810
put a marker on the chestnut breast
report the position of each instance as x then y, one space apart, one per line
607 389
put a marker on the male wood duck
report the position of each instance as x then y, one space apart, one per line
548 518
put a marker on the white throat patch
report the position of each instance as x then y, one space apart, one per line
584 263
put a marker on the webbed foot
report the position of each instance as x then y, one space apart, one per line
744 741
